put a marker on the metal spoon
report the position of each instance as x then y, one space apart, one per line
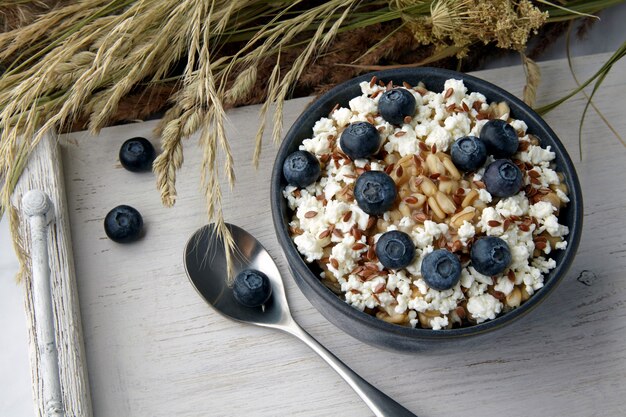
205 264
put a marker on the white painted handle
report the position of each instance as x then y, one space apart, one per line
36 205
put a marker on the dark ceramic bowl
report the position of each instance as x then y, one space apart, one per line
368 328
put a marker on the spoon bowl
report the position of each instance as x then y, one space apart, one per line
205 263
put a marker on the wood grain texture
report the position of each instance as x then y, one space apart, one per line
155 349
44 172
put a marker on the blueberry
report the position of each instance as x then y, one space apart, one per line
137 154
468 153
123 224
441 269
394 105
252 288
490 255
395 249
503 178
301 169
360 140
375 192
500 138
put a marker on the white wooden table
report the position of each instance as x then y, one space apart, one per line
154 348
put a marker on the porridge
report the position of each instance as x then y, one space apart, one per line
426 209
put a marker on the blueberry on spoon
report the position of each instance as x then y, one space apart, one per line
375 192
441 269
252 288
123 224
503 178
301 169
490 255
137 155
468 153
394 105
395 249
359 140
500 138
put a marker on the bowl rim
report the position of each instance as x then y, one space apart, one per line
522 112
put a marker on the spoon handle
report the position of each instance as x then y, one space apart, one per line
377 401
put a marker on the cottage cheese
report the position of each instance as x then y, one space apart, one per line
329 228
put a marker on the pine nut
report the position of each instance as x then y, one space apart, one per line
524 294
452 169
469 198
445 203
467 214
435 166
428 187
432 203
448 186
514 299
404 209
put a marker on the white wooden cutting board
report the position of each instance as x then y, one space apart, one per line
154 348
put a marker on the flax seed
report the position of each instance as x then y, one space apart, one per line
358 246
406 85
324 234
523 146
449 92
465 107
420 217
511 275
334 263
493 223
400 133
433 149
310 214
480 184
389 169
399 171
373 81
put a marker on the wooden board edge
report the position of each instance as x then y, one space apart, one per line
44 172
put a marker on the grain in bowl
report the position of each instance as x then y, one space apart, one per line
441 202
